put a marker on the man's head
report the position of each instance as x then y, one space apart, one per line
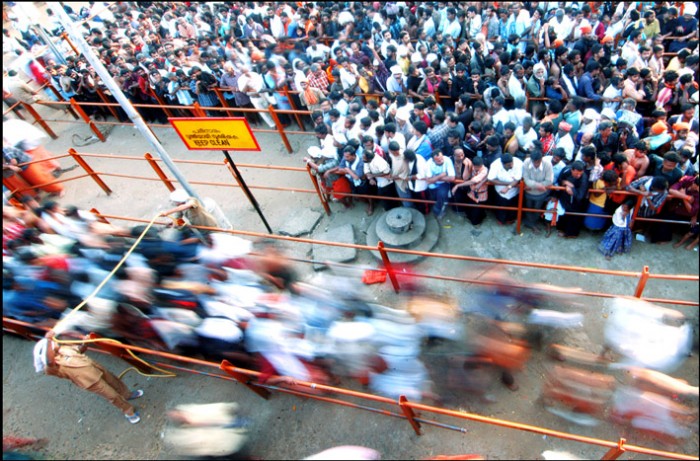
577 169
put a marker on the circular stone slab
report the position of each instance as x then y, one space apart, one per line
399 220
415 227
427 243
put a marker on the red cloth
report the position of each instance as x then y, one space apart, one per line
373 276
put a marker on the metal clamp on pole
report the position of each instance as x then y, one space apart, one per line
643 277
409 414
615 452
243 379
321 196
159 171
388 266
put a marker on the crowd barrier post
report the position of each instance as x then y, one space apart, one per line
98 216
635 212
79 160
227 367
389 268
521 193
302 127
409 414
39 120
280 129
246 190
159 171
105 100
197 110
87 120
165 107
643 277
321 196
65 37
16 108
60 98
615 452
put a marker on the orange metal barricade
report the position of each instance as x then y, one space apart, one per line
407 409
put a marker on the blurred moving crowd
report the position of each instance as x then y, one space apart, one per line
449 101
217 296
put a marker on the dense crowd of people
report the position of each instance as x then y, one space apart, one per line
455 102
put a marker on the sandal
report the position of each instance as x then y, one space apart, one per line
133 419
135 395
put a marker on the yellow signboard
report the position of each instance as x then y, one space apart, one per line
215 133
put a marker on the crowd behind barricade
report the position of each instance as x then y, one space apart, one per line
456 102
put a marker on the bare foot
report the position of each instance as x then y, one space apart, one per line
608 258
677 245
690 247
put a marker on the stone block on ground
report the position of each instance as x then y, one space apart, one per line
342 234
300 222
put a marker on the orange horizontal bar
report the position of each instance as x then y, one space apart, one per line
549 432
419 253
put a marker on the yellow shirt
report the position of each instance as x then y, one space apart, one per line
599 200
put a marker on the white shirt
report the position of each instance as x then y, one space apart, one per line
398 137
501 117
515 88
453 29
525 140
611 92
498 173
566 143
253 80
376 167
347 79
474 25
321 51
422 172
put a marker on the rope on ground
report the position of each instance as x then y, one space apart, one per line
82 141
165 373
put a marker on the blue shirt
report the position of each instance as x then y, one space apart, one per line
585 87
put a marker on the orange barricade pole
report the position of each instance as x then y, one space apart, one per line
198 111
635 212
39 120
159 171
408 413
89 170
60 97
294 107
243 379
65 37
98 216
321 196
165 107
615 452
521 193
105 100
273 114
644 276
388 266
87 120
119 352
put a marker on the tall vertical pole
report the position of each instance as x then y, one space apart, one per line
81 45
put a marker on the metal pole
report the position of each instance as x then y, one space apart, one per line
247 191
79 42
